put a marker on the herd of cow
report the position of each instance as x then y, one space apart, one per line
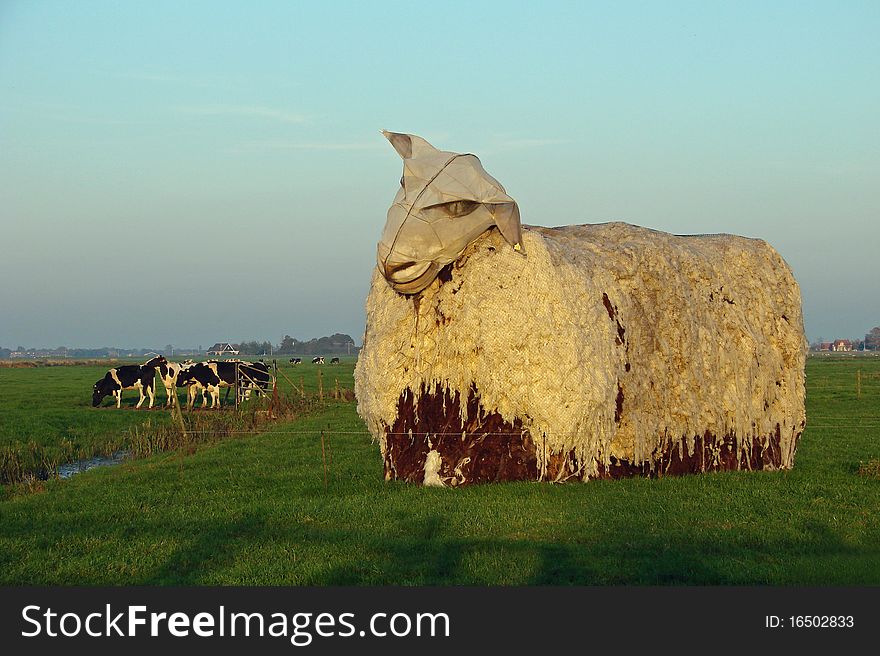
205 377
317 360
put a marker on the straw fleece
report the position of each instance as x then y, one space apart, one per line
607 344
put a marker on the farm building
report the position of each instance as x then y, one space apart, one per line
592 351
223 348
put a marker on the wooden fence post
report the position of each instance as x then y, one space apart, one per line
175 408
324 459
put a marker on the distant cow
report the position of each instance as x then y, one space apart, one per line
296 360
334 360
141 377
318 360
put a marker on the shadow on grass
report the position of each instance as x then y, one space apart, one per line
423 557
427 555
421 551
214 547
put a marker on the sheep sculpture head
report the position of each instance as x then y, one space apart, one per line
445 201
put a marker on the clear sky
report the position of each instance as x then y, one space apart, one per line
190 172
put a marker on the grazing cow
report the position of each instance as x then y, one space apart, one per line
334 360
253 376
318 360
168 373
141 377
192 392
207 376
212 375
296 360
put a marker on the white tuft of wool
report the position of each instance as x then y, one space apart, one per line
712 340
432 470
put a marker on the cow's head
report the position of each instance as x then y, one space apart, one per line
104 387
445 201
155 362
186 376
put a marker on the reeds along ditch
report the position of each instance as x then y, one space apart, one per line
29 462
190 429
22 462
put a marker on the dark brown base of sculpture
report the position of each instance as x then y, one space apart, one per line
486 449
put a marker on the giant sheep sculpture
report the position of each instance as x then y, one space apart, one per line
571 353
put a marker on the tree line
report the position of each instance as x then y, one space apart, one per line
336 344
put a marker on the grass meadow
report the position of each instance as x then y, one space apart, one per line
274 505
47 418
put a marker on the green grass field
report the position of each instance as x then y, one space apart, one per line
254 510
47 418
46 414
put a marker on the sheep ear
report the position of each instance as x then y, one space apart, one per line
408 145
508 222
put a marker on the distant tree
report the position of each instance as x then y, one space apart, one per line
336 344
872 339
253 347
4 353
249 347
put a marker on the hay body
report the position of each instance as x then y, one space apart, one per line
608 344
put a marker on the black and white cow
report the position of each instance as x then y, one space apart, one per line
168 373
141 377
296 360
209 376
253 376
318 360
334 360
212 375
192 393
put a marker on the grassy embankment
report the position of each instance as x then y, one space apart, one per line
255 510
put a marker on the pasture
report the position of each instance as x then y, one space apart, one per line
47 418
257 508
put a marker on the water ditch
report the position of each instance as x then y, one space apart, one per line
79 466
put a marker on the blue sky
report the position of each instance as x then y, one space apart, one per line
193 172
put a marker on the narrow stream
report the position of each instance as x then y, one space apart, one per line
73 468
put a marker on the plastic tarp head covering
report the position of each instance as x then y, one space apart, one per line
445 201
